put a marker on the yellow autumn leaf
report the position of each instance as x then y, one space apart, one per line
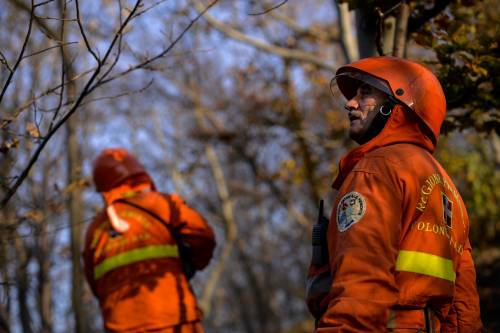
33 130
34 215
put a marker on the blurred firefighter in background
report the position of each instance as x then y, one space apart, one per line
395 254
141 250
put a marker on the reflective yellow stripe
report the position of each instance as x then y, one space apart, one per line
129 194
129 257
426 264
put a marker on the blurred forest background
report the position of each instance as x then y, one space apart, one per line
228 104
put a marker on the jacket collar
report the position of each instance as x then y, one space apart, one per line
402 127
125 191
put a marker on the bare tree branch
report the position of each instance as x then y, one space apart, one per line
177 177
86 90
125 93
286 53
90 86
313 32
51 34
230 228
82 32
348 40
401 30
157 3
56 18
64 65
48 49
145 63
20 57
270 9
379 33
43 3
5 62
51 90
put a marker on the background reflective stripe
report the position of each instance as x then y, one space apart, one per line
129 257
425 263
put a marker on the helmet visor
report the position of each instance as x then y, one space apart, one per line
349 82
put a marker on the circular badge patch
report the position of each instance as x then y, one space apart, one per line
350 210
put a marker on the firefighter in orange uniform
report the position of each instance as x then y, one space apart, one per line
398 257
141 250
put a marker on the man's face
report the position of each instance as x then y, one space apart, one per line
362 110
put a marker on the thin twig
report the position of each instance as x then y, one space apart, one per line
37 124
125 93
5 62
44 27
129 92
56 18
378 36
14 225
63 70
120 39
82 32
47 49
150 7
393 8
164 52
284 52
49 91
43 3
270 9
20 58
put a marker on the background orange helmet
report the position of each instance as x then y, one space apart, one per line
113 166
409 83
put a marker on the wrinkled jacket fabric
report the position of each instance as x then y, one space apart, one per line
397 240
137 276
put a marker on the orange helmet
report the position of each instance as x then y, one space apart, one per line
113 166
409 83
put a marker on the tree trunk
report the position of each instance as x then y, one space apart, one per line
401 30
75 216
6 215
348 38
74 175
4 272
22 284
43 251
366 29
295 121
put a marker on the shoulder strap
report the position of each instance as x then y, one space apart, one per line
184 250
133 204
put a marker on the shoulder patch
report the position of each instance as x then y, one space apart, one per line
351 209
447 210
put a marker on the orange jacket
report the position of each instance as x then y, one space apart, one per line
397 241
137 276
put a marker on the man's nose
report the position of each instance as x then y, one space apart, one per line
351 104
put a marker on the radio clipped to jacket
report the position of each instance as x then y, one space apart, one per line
319 243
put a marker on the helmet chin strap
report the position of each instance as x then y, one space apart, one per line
379 121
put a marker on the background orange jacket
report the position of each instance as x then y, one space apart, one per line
397 240
137 276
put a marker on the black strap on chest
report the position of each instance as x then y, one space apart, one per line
156 217
184 249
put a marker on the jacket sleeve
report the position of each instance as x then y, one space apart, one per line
363 254
318 282
191 229
464 315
